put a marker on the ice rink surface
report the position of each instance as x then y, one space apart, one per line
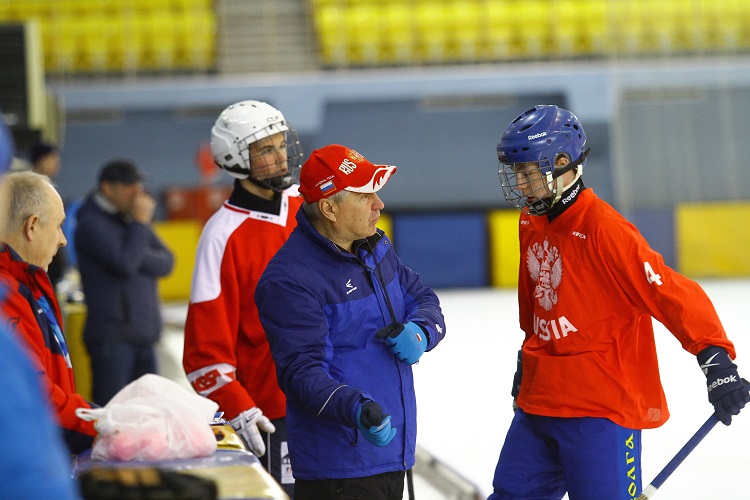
464 403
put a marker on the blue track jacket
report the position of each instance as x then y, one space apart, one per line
321 308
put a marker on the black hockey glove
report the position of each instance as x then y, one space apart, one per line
517 377
726 390
516 388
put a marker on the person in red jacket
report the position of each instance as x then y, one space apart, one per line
30 236
588 287
226 356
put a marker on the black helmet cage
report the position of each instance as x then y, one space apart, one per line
294 155
551 177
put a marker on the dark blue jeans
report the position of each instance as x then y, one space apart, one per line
115 364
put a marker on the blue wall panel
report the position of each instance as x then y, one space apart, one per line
447 250
657 226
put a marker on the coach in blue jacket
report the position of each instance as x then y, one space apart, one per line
346 320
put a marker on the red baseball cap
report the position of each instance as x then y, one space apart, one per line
335 168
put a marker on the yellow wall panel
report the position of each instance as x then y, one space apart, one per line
181 237
386 224
74 319
504 253
711 239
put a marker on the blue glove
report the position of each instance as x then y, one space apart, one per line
374 426
408 342
726 390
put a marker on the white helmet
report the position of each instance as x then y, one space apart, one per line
244 123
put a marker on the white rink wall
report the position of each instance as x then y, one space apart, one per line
464 402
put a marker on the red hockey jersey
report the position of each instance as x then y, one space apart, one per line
589 285
226 355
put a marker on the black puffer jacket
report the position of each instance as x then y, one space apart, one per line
120 261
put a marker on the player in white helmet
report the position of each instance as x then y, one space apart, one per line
226 356
244 135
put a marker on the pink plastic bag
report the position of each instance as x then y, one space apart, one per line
153 418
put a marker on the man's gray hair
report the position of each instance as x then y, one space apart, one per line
312 210
25 195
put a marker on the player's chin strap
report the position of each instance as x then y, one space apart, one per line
558 173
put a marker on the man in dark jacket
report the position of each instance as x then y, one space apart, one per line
120 258
346 320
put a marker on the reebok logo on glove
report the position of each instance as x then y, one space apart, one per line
709 363
727 392
726 380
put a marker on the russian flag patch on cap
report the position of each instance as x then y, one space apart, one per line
328 186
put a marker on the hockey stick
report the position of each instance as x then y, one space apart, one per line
410 484
667 471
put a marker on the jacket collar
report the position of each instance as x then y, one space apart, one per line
20 269
360 247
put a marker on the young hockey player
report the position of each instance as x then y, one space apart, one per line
588 287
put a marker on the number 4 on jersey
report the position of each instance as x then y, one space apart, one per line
651 276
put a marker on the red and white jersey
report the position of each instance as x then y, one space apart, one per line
589 285
226 355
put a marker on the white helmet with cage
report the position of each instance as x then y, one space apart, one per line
244 123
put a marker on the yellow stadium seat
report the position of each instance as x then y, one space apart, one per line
27 9
163 38
633 27
332 44
532 28
139 55
665 31
362 32
132 43
95 41
727 28
432 21
466 29
568 27
596 27
48 41
68 34
536 36
499 30
744 18
200 36
399 32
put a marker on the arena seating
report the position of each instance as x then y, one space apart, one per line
120 36
167 36
396 32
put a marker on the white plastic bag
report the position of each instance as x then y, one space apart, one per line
152 418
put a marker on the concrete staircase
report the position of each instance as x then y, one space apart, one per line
260 36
